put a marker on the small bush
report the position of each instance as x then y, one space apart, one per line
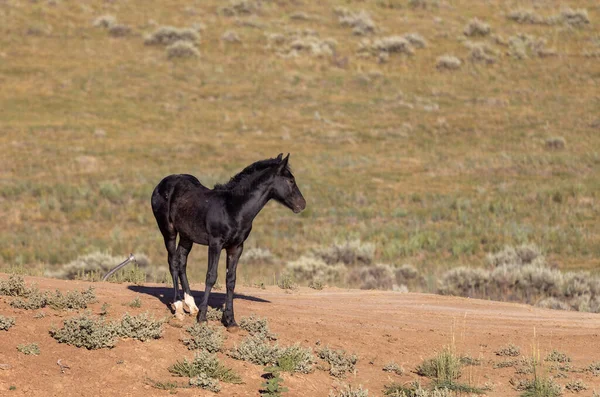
352 252
119 30
577 18
231 37
206 363
393 367
213 314
464 281
295 43
555 143
141 327
257 350
204 337
105 21
272 386
168 35
373 277
14 286
481 52
448 62
594 368
286 281
257 256
383 48
522 255
316 284
6 322
523 16
315 270
340 363
424 4
239 7
444 368
31 349
416 390
35 300
360 22
349 391
205 371
509 350
575 386
182 49
557 357
475 27
522 46
257 326
540 386
86 331
296 359
72 299
136 303
203 381
97 333
553 303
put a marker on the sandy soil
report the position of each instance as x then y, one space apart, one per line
378 326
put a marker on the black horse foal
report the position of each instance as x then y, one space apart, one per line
220 218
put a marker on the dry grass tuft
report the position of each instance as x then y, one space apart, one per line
182 49
448 62
360 22
476 27
168 35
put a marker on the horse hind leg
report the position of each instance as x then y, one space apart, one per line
183 250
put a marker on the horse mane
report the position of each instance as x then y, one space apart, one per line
248 177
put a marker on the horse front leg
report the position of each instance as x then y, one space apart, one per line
214 251
233 255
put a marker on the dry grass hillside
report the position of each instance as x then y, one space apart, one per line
439 131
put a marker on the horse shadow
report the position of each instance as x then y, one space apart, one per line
215 300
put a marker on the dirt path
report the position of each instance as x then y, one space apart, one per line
378 326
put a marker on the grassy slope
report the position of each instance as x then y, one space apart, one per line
437 168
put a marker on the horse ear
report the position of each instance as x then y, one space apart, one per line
283 165
280 156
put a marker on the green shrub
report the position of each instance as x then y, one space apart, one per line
213 314
72 299
14 286
594 368
444 368
287 282
257 256
204 337
141 327
575 386
339 362
168 35
6 322
378 276
136 303
349 391
349 253
557 357
393 367
182 49
35 300
97 333
257 326
315 270
257 350
31 349
509 350
204 381
272 386
475 27
295 359
88 332
205 371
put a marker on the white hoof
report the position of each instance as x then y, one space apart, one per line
189 304
178 308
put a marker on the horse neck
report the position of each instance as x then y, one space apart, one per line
253 201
